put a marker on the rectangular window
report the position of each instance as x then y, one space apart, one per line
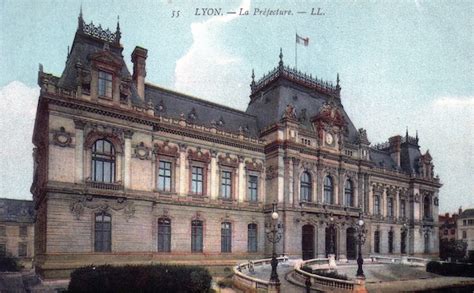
105 84
402 209
226 237
377 205
464 234
226 184
3 249
197 180
196 236
253 188
445 232
390 207
22 249
252 238
3 231
23 231
164 176
377 241
164 235
453 231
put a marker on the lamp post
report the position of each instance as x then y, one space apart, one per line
361 234
273 233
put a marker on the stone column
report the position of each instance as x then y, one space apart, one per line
321 244
339 185
289 180
241 184
127 155
295 197
319 183
183 178
79 151
213 188
341 243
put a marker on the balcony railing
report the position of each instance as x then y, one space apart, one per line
104 185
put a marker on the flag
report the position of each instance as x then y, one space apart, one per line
301 40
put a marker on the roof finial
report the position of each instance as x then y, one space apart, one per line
416 137
253 76
406 134
337 80
280 64
118 34
80 20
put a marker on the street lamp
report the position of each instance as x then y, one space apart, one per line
361 234
272 230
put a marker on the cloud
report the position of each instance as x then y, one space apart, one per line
208 70
454 102
18 108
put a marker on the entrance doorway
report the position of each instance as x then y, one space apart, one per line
331 241
307 242
351 246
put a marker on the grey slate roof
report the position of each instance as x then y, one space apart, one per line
13 210
382 159
174 104
469 213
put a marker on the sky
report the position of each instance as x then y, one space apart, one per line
403 64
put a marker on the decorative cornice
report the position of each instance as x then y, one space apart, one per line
228 161
253 166
199 156
165 149
102 205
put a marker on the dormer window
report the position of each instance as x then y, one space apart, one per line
105 84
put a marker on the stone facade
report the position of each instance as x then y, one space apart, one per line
448 226
465 223
17 229
176 159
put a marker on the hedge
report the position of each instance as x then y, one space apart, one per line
450 269
9 264
141 278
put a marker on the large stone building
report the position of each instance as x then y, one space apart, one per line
17 229
127 171
448 226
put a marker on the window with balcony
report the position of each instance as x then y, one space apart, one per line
377 210
402 209
103 161
390 207
427 207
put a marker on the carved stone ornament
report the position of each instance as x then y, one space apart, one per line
271 172
199 156
165 150
228 161
417 197
192 116
160 108
62 138
362 137
290 112
102 205
142 152
253 166
436 201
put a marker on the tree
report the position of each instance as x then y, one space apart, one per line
455 249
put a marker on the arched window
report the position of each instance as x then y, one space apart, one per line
328 190
252 237
226 237
196 236
349 193
376 205
103 161
427 207
305 187
103 232
164 234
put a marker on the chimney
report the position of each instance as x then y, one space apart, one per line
395 148
460 211
139 55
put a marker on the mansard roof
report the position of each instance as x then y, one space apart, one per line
469 213
14 210
177 105
382 159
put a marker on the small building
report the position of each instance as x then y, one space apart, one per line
448 226
465 225
17 228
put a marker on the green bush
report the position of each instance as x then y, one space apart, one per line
9 264
450 269
141 278
225 283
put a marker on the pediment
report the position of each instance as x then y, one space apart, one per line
106 57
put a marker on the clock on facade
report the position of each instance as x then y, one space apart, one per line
329 138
